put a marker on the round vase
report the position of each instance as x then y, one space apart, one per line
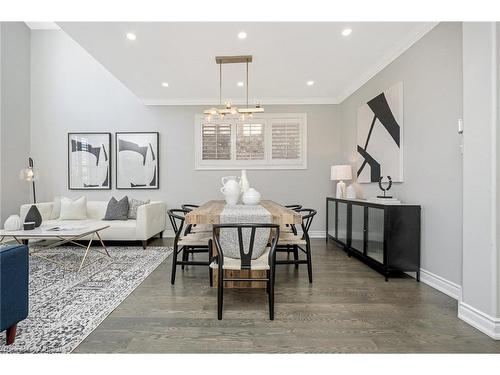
251 197
13 222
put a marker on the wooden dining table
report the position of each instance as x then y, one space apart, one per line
210 213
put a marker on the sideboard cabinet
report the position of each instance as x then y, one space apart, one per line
384 236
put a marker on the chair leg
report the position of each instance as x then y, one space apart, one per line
271 295
11 334
309 262
144 244
185 254
268 276
210 276
296 256
220 293
174 265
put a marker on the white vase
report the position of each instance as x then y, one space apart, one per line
251 197
13 222
232 198
244 183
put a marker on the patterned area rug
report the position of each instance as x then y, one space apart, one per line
65 306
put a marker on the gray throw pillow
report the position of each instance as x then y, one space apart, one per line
133 204
117 210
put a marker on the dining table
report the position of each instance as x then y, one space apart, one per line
212 212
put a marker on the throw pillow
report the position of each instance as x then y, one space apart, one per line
56 209
133 204
117 210
73 209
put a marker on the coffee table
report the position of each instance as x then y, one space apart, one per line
65 234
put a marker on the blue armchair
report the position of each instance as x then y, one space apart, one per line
13 288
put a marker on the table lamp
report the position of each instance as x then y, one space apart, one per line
340 173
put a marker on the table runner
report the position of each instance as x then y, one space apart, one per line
243 214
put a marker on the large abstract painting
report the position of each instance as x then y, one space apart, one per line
89 161
137 161
380 136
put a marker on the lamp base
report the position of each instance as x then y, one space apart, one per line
341 190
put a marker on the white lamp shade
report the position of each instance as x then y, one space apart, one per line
341 173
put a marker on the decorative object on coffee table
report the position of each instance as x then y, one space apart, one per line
30 175
89 161
137 160
33 216
13 222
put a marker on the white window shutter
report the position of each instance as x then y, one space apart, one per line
250 142
216 141
286 140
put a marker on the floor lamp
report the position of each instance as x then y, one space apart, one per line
29 175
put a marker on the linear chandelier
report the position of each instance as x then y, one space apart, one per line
228 108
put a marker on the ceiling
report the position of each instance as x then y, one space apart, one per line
286 56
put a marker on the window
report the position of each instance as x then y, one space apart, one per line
216 141
268 141
250 142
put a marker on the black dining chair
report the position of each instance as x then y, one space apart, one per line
244 260
187 243
291 228
299 242
197 228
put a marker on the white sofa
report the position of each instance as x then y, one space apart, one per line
151 220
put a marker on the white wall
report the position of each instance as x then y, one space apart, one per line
479 305
72 92
431 72
15 115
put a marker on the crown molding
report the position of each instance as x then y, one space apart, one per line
388 58
42 25
214 101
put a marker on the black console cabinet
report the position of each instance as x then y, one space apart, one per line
386 237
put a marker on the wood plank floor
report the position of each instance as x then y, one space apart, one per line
348 309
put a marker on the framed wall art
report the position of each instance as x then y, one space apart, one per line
137 160
89 161
380 137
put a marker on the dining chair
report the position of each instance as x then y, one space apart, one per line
291 228
187 243
197 228
299 242
244 261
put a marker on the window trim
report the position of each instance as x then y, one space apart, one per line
268 162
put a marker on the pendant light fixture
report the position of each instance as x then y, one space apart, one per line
228 108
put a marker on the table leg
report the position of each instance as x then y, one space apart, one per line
86 252
102 243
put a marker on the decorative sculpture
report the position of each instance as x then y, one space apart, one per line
386 189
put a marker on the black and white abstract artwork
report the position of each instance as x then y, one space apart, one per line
137 161
380 135
89 161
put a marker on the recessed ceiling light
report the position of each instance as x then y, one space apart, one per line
131 36
310 83
164 84
241 84
346 32
242 35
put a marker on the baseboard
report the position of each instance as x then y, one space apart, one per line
479 320
437 282
169 233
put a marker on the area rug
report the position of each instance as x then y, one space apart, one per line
66 306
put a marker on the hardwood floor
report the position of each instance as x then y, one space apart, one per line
348 309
